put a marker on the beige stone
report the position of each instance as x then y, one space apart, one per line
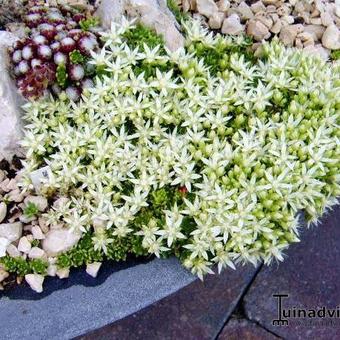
316 21
244 11
276 28
315 30
257 30
232 25
216 20
326 19
59 240
258 7
11 231
206 7
223 5
93 268
331 38
288 34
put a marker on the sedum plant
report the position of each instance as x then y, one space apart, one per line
205 153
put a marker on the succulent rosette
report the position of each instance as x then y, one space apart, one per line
53 57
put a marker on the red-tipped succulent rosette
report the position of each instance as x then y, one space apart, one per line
54 34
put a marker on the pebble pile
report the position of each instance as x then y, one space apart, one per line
309 24
25 230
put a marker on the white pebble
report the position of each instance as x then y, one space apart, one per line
52 270
93 268
3 274
37 233
35 281
13 251
3 211
11 231
3 246
36 253
24 245
39 201
63 273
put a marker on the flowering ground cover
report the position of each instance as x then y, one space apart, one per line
206 153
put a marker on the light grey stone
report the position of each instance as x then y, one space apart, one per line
216 20
152 13
3 211
257 30
288 34
93 268
59 240
40 202
206 7
232 25
10 103
331 38
111 300
24 245
11 231
35 281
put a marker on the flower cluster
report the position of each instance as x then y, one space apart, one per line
212 164
54 55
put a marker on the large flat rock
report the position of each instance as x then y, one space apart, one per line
197 311
10 103
310 275
77 305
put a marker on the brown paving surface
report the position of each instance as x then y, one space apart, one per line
242 329
198 311
310 275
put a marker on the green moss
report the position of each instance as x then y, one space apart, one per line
177 12
21 267
143 35
335 55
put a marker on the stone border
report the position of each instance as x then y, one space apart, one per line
78 309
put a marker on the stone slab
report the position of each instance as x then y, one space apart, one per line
310 275
74 306
197 311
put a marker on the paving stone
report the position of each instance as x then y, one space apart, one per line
244 329
310 275
197 311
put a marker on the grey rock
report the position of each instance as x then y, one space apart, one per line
3 211
257 30
216 20
85 308
206 7
331 38
11 231
59 240
35 281
10 103
289 33
232 25
40 202
152 13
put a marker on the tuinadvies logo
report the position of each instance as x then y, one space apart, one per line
286 315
